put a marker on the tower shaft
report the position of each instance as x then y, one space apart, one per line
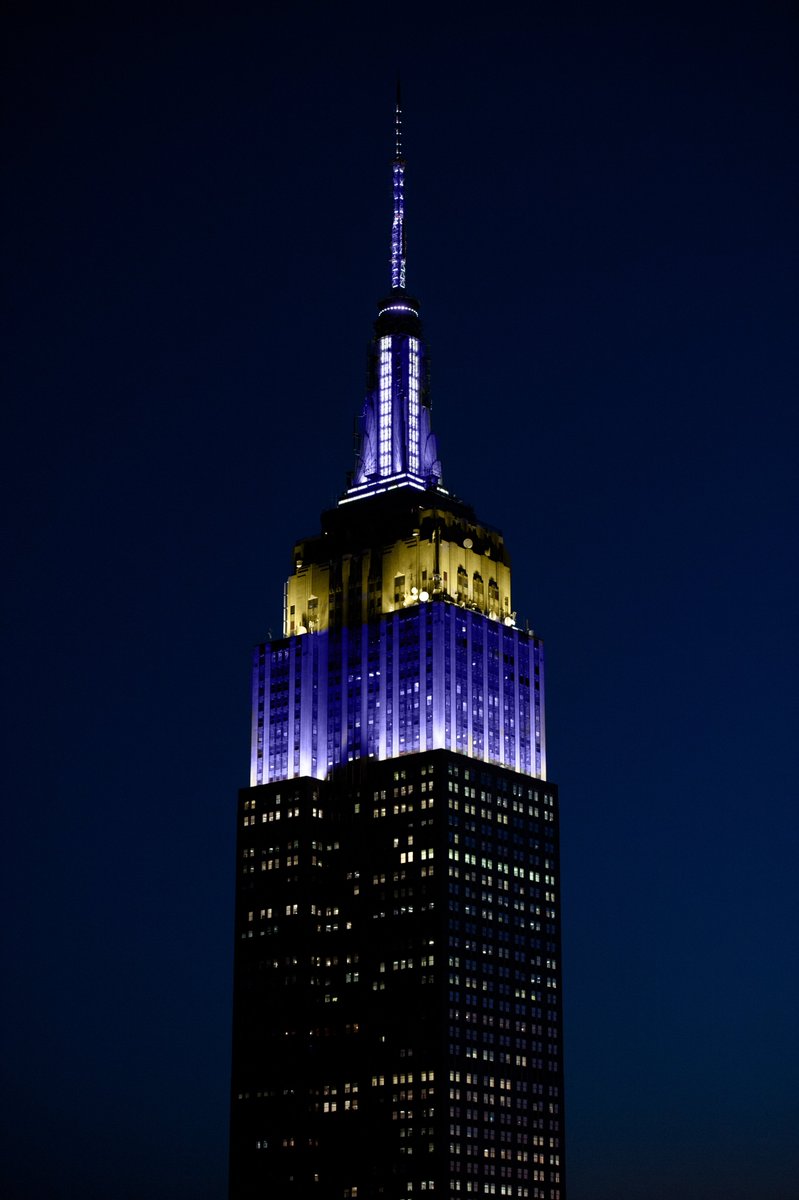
397 984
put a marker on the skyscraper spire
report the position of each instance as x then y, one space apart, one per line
398 251
396 446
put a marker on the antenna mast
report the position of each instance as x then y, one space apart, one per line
398 249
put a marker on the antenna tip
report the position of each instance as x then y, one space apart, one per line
398 122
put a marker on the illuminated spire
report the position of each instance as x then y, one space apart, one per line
398 252
395 445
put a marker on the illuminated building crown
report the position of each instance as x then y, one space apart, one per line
399 632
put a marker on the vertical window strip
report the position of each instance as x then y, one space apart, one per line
413 405
385 406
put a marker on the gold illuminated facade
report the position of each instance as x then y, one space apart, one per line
447 556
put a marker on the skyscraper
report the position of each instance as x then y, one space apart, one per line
397 999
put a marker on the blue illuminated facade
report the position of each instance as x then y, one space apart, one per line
429 677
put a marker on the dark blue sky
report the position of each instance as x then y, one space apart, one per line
602 231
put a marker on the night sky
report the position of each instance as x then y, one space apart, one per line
602 232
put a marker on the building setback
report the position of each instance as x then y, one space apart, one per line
397 1024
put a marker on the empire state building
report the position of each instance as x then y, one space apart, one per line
397 1024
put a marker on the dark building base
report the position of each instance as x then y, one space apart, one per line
397 1015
